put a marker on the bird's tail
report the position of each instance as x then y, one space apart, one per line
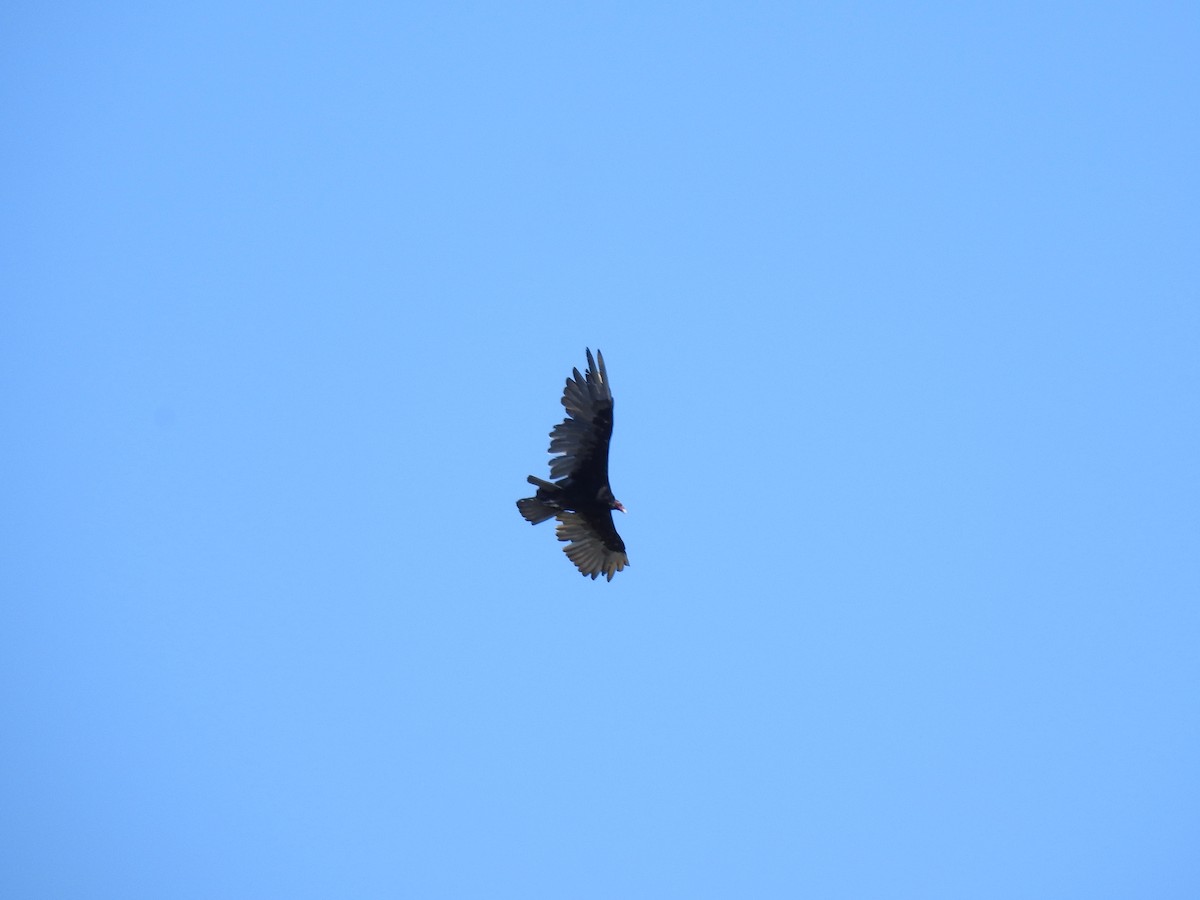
537 509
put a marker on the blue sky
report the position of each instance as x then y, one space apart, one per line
901 309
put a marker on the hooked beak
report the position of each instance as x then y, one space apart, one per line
618 505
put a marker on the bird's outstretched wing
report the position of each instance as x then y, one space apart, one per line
579 444
595 547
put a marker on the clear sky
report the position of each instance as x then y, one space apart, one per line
901 309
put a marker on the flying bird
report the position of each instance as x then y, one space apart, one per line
580 497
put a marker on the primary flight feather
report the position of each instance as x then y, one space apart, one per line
580 498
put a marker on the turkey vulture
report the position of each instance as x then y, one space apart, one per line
580 498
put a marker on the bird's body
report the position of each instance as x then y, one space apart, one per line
581 499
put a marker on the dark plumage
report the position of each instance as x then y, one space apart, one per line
581 498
